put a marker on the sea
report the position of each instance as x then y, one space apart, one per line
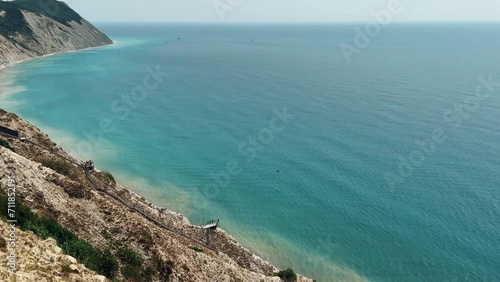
344 153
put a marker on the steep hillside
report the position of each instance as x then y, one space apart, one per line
111 217
41 260
32 28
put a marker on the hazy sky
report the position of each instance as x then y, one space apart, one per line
282 10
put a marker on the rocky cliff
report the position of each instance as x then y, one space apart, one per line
33 28
111 217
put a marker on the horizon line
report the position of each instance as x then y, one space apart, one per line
294 22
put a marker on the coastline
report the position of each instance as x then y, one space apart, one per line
183 221
10 64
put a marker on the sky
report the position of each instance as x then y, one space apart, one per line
285 10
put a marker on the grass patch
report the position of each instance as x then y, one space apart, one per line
102 262
287 275
6 144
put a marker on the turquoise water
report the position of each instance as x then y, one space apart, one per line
313 194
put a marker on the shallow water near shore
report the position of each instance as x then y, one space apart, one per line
313 195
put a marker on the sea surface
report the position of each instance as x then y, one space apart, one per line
384 168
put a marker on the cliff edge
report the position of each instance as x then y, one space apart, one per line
33 28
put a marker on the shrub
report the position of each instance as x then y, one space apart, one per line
130 257
131 273
146 239
148 274
106 264
5 143
109 176
81 250
287 275
60 167
164 268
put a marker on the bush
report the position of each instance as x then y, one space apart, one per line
109 176
81 250
131 273
164 268
132 264
287 275
106 264
5 143
130 257
148 274
146 239
60 167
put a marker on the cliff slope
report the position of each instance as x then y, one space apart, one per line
33 28
41 260
116 218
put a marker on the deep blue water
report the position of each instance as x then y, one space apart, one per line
313 194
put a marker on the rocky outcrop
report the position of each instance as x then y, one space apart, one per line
115 222
28 31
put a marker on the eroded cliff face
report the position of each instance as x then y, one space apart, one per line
107 222
40 35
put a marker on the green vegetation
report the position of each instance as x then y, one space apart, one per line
109 176
105 262
130 273
14 22
59 11
146 239
164 268
130 257
132 264
102 262
5 143
287 275
60 167
148 273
